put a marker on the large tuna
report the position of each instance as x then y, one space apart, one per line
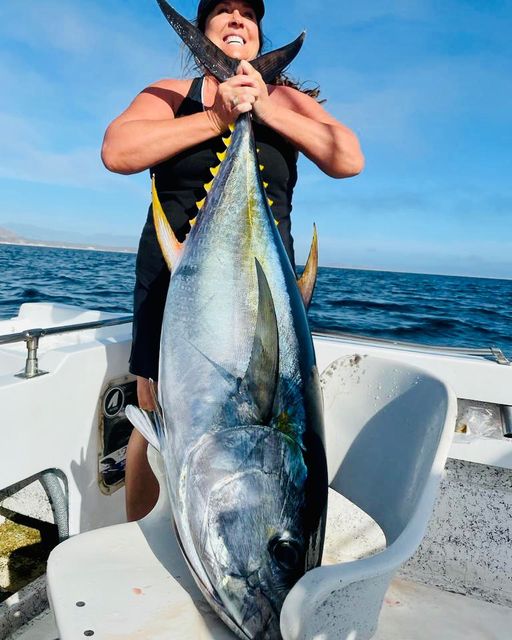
239 424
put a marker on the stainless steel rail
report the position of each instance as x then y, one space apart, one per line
32 336
486 352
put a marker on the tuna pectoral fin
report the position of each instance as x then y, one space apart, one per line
260 380
171 248
144 424
272 63
307 281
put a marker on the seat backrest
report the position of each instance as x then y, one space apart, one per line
384 425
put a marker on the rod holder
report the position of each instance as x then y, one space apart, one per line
506 413
32 363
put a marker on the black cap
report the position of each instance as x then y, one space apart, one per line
206 6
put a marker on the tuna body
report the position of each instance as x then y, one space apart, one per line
238 385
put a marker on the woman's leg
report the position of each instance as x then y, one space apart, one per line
141 485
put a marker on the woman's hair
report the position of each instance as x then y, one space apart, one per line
192 65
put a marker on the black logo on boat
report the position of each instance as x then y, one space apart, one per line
113 402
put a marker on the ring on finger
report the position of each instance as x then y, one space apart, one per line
234 101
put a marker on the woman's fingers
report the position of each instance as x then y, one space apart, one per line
239 94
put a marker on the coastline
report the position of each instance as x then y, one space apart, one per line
78 247
133 250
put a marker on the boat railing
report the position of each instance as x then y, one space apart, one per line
32 336
494 353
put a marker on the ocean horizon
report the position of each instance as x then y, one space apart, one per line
133 250
433 309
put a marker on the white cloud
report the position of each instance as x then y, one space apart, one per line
27 155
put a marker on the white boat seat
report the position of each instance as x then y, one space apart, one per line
388 430
129 581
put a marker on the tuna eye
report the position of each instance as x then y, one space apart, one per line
287 553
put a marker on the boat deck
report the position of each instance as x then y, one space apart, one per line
410 612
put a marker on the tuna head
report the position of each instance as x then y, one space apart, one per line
248 523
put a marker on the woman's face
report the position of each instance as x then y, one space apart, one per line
233 27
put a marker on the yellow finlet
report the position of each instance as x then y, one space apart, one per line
261 167
270 202
277 222
231 127
200 204
192 222
265 184
227 141
221 156
214 170
208 186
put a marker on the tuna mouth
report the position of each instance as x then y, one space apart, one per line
234 39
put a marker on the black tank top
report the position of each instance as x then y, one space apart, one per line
180 179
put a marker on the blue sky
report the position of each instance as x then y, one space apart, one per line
426 84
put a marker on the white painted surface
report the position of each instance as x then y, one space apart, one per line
410 612
416 612
470 377
52 421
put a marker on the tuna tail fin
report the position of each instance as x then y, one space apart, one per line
271 64
216 61
260 379
307 280
202 48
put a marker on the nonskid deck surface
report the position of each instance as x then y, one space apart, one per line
410 612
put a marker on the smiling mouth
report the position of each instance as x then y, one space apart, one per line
232 39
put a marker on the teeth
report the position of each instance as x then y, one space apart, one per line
234 40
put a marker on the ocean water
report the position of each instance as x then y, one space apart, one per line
429 309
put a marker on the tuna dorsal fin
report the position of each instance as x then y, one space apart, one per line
216 61
171 248
271 64
307 280
260 380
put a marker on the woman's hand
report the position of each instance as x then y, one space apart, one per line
240 94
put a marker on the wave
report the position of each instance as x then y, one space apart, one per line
448 310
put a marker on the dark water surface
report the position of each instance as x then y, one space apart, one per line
443 310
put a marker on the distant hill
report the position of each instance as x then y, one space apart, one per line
9 236
38 239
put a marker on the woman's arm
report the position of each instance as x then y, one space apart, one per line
148 133
332 146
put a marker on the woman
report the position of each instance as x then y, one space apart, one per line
174 127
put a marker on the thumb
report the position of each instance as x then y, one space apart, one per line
243 68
